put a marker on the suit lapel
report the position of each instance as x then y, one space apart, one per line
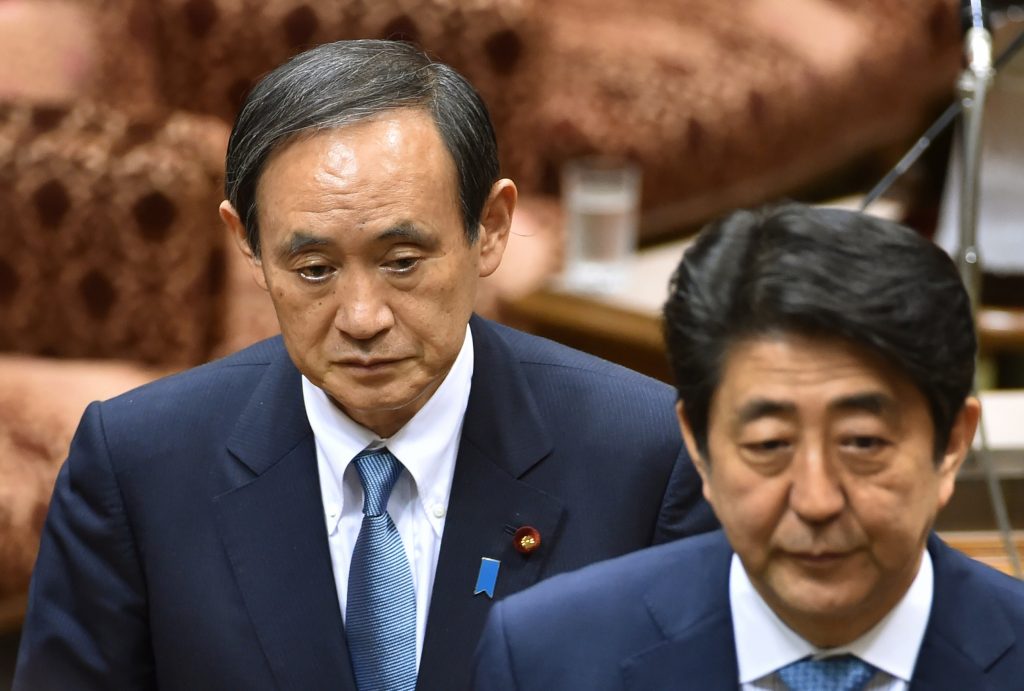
274 534
690 605
704 658
502 438
967 630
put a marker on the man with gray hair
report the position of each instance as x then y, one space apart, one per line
338 507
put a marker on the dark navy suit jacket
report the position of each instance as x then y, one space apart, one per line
185 547
660 619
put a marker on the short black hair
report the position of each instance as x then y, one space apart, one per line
337 84
820 273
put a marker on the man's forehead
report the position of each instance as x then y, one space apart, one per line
353 126
801 354
396 145
778 372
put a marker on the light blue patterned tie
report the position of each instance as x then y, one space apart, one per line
381 615
839 673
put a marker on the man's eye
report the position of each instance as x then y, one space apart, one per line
768 456
402 265
767 446
864 443
316 273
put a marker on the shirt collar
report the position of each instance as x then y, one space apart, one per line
764 643
426 446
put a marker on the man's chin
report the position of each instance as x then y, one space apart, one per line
375 408
826 598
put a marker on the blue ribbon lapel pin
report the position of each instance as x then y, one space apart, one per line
487 577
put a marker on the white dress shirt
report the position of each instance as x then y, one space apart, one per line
765 644
426 446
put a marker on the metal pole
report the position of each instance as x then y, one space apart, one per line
974 84
936 128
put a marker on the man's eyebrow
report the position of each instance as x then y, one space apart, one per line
763 407
875 403
407 231
299 241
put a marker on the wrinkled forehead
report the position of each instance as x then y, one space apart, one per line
797 369
412 121
397 154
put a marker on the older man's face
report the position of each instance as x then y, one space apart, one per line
365 256
822 472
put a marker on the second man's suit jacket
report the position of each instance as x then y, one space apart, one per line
186 548
660 619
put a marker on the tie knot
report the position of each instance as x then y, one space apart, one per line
838 673
378 472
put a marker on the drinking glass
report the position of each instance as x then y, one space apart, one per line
601 197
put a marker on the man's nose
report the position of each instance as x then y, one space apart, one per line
363 309
816 493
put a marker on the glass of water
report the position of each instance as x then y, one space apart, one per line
601 197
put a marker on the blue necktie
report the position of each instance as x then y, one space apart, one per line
381 614
839 673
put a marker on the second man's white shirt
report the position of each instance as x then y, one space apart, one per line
764 643
426 447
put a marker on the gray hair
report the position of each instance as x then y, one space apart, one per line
338 84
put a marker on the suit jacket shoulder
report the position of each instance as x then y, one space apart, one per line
975 635
187 397
613 625
546 356
176 425
574 398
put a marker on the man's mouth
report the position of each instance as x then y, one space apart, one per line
368 365
819 558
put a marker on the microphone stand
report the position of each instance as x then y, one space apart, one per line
933 131
974 85
973 88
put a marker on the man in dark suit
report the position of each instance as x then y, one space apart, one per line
288 517
825 361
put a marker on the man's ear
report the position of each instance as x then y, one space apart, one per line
961 437
233 223
495 221
699 462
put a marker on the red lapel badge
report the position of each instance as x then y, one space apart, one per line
526 539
